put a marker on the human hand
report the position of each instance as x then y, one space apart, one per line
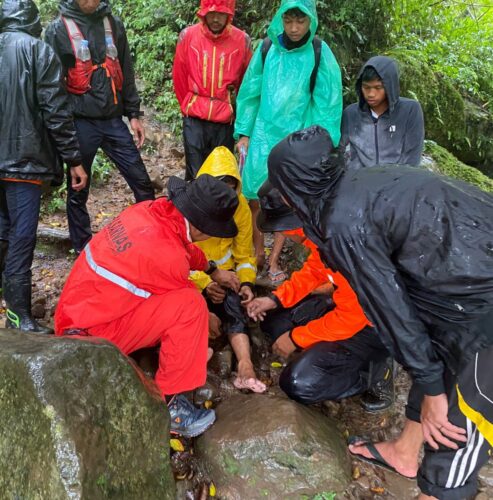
214 326
258 308
435 423
246 293
243 144
283 346
226 279
79 177
138 130
215 293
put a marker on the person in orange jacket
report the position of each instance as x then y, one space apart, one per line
316 311
131 286
210 61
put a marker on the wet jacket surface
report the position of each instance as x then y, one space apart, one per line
35 120
275 98
208 69
416 247
229 253
148 246
396 137
98 102
343 322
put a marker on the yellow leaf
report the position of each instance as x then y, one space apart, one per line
378 490
176 445
356 473
212 490
208 404
276 364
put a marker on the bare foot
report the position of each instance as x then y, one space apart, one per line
247 379
404 464
210 352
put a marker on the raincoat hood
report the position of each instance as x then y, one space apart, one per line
305 169
276 27
20 15
221 162
70 8
223 6
387 68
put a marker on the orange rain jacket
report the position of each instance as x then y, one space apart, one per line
344 321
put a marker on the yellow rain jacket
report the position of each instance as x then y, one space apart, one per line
229 253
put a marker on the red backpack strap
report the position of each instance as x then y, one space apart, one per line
74 33
108 30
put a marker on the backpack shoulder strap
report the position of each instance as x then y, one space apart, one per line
108 30
74 33
266 45
317 49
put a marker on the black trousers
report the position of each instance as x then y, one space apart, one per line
114 138
200 137
230 312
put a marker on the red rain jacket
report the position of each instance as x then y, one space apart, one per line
344 321
208 69
147 246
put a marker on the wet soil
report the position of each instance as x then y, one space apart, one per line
53 261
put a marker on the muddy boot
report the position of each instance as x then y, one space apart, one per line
380 394
17 295
4 246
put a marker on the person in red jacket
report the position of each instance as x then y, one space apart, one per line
211 59
316 311
131 286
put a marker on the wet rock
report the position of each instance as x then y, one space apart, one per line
221 362
78 422
208 392
38 309
268 446
156 181
486 478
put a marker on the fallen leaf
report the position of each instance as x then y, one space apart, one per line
176 445
378 490
212 490
208 404
276 364
356 473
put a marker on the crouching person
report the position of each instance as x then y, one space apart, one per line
131 286
235 254
318 313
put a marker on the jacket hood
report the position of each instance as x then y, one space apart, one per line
276 27
221 162
223 6
70 8
20 15
305 169
388 71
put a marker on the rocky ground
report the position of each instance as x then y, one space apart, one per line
52 264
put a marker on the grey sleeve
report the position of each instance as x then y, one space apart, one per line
415 136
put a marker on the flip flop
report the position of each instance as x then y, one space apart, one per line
251 384
278 277
377 459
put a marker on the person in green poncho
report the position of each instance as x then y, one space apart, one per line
278 97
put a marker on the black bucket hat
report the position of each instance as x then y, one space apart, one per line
208 203
275 215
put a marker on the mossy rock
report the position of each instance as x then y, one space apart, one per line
438 159
78 422
459 125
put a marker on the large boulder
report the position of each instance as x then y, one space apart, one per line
265 446
78 422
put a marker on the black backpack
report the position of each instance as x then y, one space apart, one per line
317 48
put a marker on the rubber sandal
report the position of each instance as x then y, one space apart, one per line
274 277
377 459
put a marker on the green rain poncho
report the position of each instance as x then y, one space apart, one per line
275 100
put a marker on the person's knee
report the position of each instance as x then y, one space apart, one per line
296 386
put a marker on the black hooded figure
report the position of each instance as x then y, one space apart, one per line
394 137
37 135
417 248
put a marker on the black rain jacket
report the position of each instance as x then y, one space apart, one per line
35 121
98 102
396 137
416 247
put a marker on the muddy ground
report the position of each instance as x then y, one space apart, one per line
52 263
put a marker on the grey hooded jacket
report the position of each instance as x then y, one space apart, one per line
396 137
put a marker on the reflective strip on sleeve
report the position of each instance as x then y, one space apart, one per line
246 266
225 259
114 278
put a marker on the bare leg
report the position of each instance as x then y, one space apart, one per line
258 236
246 378
402 454
279 240
426 497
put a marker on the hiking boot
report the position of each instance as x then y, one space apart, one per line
186 419
17 295
380 394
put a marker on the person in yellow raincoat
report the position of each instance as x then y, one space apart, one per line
235 254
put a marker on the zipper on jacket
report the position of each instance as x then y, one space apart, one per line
376 143
204 70
213 70
221 71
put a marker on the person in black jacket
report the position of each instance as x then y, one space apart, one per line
382 128
37 128
417 249
102 89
